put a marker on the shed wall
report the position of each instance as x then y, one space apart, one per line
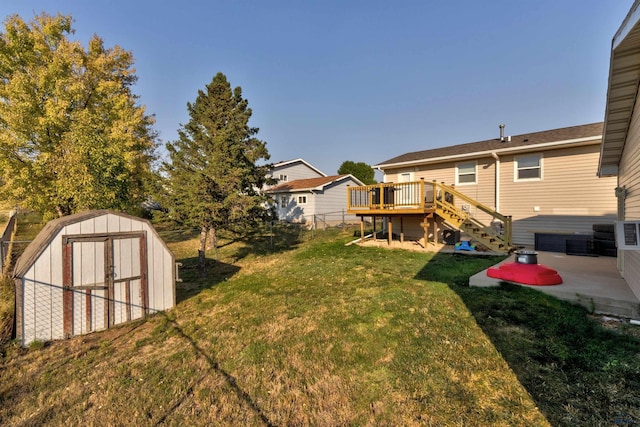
40 297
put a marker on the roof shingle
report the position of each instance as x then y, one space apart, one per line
304 184
527 139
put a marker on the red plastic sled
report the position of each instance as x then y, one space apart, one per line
527 274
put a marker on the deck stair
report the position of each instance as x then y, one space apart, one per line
428 199
486 235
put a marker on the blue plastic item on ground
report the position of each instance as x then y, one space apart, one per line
464 246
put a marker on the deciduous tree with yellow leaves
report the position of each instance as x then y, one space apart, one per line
72 135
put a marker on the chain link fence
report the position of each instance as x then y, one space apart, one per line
327 220
42 309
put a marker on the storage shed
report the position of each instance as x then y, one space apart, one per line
90 271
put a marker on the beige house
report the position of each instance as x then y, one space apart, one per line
620 149
535 183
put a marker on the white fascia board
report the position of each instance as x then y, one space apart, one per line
533 147
629 22
288 162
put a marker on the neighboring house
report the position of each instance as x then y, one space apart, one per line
544 181
313 200
620 150
292 170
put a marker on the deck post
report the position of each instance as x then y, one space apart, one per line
435 230
401 230
425 229
389 230
362 229
374 228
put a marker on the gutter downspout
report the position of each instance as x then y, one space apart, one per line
497 189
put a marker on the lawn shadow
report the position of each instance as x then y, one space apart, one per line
560 353
171 234
192 283
269 239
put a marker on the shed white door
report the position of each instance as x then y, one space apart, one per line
104 281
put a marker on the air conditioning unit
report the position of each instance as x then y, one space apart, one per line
628 235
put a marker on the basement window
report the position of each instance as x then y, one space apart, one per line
466 173
528 168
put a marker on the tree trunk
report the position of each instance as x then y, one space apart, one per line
202 261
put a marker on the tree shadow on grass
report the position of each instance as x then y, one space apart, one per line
269 239
577 371
192 283
172 234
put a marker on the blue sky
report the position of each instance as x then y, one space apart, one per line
330 81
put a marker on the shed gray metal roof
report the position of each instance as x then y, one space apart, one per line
567 135
53 227
622 91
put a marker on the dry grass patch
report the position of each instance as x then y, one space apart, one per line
322 334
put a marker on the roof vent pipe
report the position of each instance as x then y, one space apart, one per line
501 133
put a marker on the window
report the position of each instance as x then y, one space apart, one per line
528 168
302 200
284 201
283 178
466 173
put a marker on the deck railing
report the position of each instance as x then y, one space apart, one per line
403 195
421 196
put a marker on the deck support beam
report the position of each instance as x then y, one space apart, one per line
389 230
362 229
374 228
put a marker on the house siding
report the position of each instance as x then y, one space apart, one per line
629 177
329 204
294 171
570 196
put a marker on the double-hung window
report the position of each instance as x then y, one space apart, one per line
466 173
528 167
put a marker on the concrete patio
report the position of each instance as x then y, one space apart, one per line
591 281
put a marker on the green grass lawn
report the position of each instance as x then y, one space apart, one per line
294 328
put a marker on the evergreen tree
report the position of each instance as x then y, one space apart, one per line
212 180
71 134
360 170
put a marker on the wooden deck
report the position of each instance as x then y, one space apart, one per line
428 201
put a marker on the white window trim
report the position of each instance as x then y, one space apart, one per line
284 201
515 168
475 172
305 200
